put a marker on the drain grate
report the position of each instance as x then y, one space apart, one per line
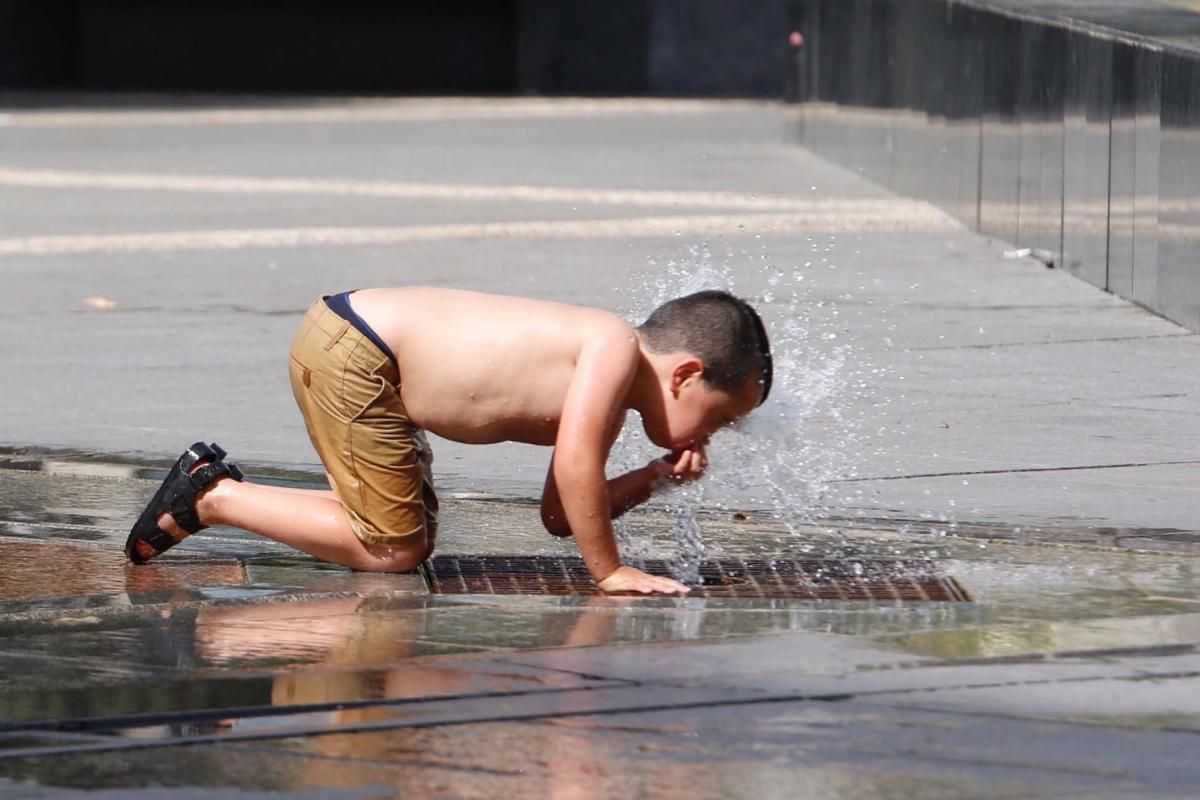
753 578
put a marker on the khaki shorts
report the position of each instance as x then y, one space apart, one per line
378 462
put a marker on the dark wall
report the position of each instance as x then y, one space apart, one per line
718 48
1080 143
38 43
589 47
584 47
281 44
267 45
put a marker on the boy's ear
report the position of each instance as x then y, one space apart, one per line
689 368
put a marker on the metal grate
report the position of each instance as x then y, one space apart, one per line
753 578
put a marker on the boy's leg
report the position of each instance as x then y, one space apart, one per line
381 514
312 521
314 492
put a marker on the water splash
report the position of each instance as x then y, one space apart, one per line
688 535
783 457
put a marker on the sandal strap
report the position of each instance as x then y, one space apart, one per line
160 540
197 452
183 501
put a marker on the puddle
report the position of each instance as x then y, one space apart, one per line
71 633
201 644
1009 579
40 570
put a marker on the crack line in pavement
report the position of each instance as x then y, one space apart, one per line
1015 470
126 745
78 724
65 736
367 727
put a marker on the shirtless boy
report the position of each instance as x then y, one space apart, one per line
373 369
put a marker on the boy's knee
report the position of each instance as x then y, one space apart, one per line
404 558
555 523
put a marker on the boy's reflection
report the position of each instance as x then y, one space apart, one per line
355 649
339 649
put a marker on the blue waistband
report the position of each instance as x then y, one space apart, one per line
340 305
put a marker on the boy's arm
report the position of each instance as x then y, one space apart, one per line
603 374
624 492
627 491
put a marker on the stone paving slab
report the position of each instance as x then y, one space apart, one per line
232 629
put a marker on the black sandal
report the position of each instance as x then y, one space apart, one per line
177 497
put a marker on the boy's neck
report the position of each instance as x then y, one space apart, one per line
644 389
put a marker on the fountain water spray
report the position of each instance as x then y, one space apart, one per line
782 457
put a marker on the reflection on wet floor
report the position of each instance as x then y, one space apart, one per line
336 648
781 750
231 636
34 570
248 651
74 514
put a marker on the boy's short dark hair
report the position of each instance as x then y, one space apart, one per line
721 330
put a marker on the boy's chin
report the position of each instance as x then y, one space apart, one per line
659 440
669 446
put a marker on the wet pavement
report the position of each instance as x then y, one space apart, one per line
233 663
1024 433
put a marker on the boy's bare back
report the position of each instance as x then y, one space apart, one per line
481 368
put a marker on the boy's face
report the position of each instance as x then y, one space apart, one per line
693 411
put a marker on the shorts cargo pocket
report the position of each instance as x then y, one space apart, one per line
361 392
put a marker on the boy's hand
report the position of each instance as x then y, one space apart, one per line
682 467
629 579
